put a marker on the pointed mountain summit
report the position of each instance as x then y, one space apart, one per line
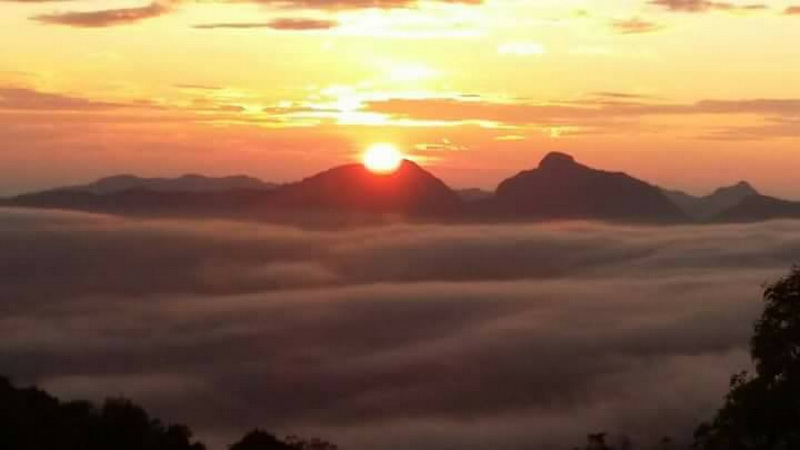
352 188
561 188
733 194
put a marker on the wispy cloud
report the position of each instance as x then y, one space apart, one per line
635 26
589 109
18 98
107 17
615 113
293 24
696 6
124 16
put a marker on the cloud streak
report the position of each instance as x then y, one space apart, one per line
596 114
699 6
126 16
107 17
19 98
284 24
635 26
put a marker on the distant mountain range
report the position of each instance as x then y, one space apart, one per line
758 208
186 183
559 188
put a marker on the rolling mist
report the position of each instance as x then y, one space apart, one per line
395 337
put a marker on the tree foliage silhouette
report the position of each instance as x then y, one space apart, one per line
31 419
260 440
762 409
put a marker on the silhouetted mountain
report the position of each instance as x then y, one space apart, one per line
352 188
230 203
561 188
186 183
757 208
713 204
128 194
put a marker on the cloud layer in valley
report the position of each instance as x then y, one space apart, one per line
447 337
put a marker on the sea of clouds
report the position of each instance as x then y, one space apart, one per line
400 337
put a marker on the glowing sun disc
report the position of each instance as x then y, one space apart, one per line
382 158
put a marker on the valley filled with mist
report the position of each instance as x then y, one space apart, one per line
400 336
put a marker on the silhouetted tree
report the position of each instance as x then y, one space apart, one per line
31 419
261 440
762 410
666 443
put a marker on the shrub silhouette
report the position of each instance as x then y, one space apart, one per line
260 440
31 419
762 409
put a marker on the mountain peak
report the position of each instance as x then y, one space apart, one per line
745 186
720 200
353 188
562 188
740 189
557 159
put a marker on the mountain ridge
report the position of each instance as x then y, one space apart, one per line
184 183
706 207
559 188
758 208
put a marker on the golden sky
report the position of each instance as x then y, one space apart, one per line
683 93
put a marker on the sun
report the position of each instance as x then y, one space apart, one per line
382 158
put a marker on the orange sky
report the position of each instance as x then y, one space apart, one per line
684 93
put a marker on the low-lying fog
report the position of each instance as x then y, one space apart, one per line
400 337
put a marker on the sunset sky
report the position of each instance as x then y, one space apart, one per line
688 94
